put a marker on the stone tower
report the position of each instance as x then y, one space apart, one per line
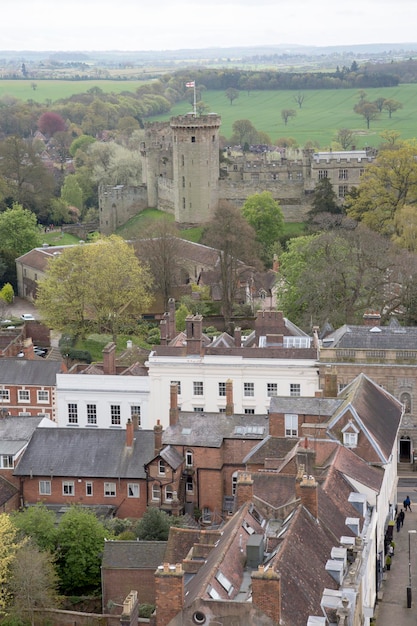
195 144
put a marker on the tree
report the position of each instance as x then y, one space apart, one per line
265 216
50 123
154 525
324 200
299 99
38 524
7 293
391 106
345 138
180 316
8 547
80 540
232 94
114 164
231 234
71 192
379 103
244 132
100 285
19 230
33 583
287 114
368 110
387 184
81 143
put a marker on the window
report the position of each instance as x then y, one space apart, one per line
161 467
249 390
115 414
198 388
343 174
156 492
109 490
43 395
198 409
23 395
291 425
45 487
249 411
222 389
295 389
234 483
322 174
271 389
189 458
72 413
189 484
178 383
193 139
91 414
350 440
133 490
168 493
225 582
343 189
89 489
68 488
6 461
4 395
222 409
135 412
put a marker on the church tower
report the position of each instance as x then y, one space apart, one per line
195 143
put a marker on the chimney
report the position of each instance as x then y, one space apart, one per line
109 358
157 429
173 406
172 329
129 433
244 488
28 351
230 409
169 592
330 384
194 333
276 424
130 612
309 495
298 480
135 420
238 337
163 329
372 318
266 592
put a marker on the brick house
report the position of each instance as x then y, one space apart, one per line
96 468
27 386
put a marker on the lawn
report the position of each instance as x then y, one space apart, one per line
95 343
57 89
56 238
140 222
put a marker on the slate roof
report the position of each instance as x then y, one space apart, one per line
210 429
133 554
7 491
270 447
38 258
172 457
15 432
98 453
324 407
17 371
363 337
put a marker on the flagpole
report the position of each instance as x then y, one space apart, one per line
195 103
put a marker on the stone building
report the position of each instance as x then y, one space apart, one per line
183 175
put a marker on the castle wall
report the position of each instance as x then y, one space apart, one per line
166 195
118 204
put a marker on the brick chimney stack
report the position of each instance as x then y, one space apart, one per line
238 337
330 384
230 408
194 333
266 592
244 488
173 405
28 351
129 433
309 495
172 330
109 358
169 592
158 429
276 424
372 318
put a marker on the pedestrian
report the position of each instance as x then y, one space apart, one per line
391 549
388 562
401 515
407 504
398 522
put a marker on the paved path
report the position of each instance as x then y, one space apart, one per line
392 609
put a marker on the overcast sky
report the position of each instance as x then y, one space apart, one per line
172 24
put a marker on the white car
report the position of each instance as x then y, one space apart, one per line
27 317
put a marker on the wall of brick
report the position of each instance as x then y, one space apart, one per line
117 584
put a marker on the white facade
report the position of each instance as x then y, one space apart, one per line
202 382
102 401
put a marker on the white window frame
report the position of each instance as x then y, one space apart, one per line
7 461
89 491
350 440
133 490
72 409
4 395
156 492
23 395
249 411
271 390
115 415
178 383
91 414
68 488
198 388
109 490
169 493
135 409
161 467
189 458
44 487
222 390
291 425
249 390
295 390
40 393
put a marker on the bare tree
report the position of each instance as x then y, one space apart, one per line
345 138
299 99
287 114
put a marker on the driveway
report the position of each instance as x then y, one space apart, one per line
19 307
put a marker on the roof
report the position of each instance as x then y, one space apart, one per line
172 457
133 554
394 336
7 491
324 407
15 432
38 258
98 453
210 429
17 371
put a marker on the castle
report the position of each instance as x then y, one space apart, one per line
183 174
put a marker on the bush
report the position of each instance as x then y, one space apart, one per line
76 355
146 610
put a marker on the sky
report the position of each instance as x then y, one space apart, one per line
171 25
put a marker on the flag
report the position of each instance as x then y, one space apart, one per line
190 84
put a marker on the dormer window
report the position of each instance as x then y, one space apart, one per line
350 435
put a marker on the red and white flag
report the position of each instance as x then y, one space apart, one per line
190 84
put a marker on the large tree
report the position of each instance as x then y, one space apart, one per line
324 201
386 185
154 525
265 216
39 524
19 230
100 285
8 547
368 110
235 239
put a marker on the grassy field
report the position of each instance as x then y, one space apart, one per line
57 89
322 114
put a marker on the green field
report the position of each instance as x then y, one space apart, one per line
57 89
322 114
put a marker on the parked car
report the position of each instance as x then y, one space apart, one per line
27 317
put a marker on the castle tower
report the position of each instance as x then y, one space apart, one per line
195 167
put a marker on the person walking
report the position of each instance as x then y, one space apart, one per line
388 562
407 504
398 523
401 515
